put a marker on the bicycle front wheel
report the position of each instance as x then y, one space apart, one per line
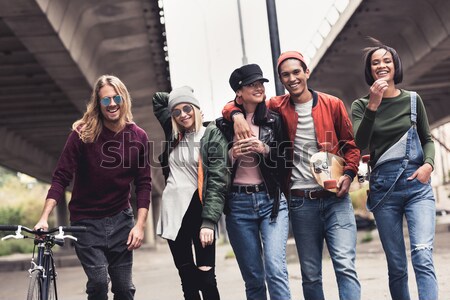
35 286
52 287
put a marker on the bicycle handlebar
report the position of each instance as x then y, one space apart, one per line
43 232
61 229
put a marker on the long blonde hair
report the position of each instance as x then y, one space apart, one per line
90 125
198 123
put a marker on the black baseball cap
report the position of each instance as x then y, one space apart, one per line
245 75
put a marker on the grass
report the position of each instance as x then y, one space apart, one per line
15 246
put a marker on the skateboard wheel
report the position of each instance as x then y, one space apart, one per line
317 166
330 184
361 178
365 158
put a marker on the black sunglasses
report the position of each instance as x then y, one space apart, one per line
107 100
177 112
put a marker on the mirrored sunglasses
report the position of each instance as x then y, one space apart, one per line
107 100
177 112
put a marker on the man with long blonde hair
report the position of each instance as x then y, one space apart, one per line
104 153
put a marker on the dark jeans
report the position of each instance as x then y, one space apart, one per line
194 280
103 253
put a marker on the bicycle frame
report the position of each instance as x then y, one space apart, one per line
45 265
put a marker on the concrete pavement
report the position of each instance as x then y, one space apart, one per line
156 278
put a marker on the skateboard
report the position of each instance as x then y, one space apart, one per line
327 168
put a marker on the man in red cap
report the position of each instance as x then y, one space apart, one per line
312 118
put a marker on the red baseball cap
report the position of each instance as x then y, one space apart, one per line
288 55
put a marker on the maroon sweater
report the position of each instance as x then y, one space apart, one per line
103 173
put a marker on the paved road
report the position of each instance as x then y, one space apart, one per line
156 278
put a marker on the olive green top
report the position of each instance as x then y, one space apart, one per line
379 130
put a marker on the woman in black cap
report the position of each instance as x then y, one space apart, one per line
194 164
393 124
256 210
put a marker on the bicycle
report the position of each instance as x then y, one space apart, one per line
42 285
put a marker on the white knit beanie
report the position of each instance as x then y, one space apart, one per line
184 94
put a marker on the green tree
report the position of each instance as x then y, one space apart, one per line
21 202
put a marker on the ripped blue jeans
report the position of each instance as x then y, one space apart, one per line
415 201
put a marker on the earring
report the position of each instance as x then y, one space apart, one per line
239 100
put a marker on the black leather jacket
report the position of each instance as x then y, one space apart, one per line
273 166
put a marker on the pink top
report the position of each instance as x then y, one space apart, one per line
247 172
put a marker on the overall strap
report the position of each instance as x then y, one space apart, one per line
413 121
413 107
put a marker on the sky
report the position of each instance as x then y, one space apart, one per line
204 41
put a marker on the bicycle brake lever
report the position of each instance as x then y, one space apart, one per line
61 235
69 237
11 236
17 236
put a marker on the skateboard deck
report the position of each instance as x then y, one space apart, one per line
327 168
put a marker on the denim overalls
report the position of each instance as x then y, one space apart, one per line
392 196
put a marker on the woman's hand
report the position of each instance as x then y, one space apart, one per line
376 94
247 146
206 236
423 174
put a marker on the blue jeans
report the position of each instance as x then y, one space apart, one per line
415 201
259 244
103 253
331 219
